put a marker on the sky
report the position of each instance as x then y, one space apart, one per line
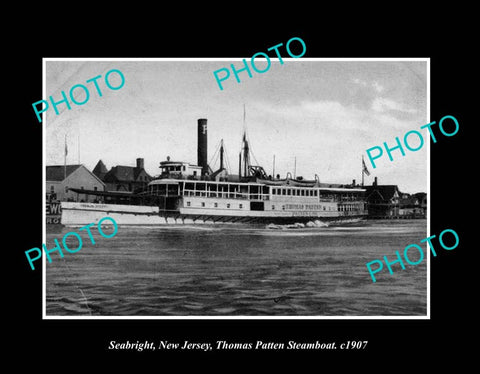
315 116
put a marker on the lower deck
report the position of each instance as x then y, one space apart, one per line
84 213
275 208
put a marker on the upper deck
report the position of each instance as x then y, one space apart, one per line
251 191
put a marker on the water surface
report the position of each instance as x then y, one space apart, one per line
228 270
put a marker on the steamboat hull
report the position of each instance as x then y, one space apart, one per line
80 214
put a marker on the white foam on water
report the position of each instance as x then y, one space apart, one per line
298 225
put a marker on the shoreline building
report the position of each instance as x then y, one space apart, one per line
61 178
123 178
386 201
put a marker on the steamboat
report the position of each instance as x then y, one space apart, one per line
184 193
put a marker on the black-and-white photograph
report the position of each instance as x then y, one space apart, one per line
236 189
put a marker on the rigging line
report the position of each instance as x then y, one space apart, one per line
254 158
250 148
215 154
253 155
227 162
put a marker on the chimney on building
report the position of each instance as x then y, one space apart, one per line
353 183
140 163
202 150
375 181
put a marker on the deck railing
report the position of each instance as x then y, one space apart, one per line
227 195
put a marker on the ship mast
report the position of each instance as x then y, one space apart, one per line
244 156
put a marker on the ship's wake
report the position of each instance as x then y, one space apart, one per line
298 225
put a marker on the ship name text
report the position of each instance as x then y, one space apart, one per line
303 206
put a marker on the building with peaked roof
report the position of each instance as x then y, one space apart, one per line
382 200
387 201
100 170
123 178
60 178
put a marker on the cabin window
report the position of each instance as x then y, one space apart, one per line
52 189
188 203
289 191
283 207
224 190
254 190
303 192
162 189
228 205
240 206
203 204
212 190
95 188
172 189
284 191
273 207
215 205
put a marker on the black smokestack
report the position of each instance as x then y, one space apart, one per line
202 147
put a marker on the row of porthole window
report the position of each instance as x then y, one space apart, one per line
215 205
240 206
